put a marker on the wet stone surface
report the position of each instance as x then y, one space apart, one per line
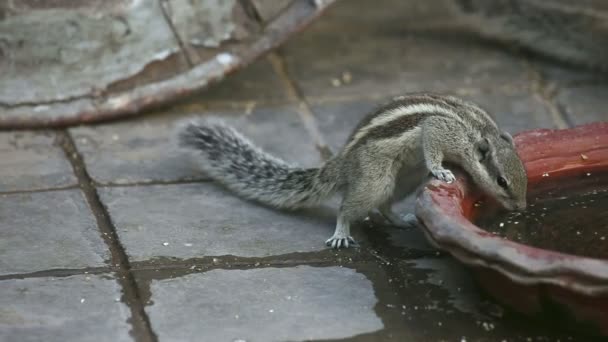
441 302
146 150
48 230
78 308
269 304
32 160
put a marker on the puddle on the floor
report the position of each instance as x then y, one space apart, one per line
570 218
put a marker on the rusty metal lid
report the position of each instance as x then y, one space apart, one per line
65 63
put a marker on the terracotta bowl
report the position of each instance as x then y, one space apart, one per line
533 281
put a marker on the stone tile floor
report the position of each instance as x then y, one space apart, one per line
109 233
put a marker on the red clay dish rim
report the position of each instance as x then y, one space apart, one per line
445 209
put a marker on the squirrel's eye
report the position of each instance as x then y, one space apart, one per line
502 182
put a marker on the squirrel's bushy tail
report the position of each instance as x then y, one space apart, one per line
232 160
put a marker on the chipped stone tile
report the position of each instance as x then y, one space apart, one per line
75 308
269 304
48 230
32 160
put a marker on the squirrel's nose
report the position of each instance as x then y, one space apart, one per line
520 206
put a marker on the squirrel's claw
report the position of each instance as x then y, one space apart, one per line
338 242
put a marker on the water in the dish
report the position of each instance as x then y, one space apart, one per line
572 220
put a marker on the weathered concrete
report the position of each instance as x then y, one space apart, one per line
406 61
81 308
62 49
516 110
197 220
199 256
270 304
243 90
30 161
127 56
48 230
585 103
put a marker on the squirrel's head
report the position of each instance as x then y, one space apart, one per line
504 177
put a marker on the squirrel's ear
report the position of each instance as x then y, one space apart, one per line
483 146
507 137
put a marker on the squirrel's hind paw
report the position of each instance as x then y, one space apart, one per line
338 241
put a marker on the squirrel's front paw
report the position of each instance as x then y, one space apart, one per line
443 175
339 241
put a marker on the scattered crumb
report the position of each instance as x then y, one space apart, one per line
546 174
81 300
584 157
165 244
347 77
249 107
336 82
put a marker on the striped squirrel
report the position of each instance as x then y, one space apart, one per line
387 156
575 32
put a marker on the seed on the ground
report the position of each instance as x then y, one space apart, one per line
81 300
165 244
